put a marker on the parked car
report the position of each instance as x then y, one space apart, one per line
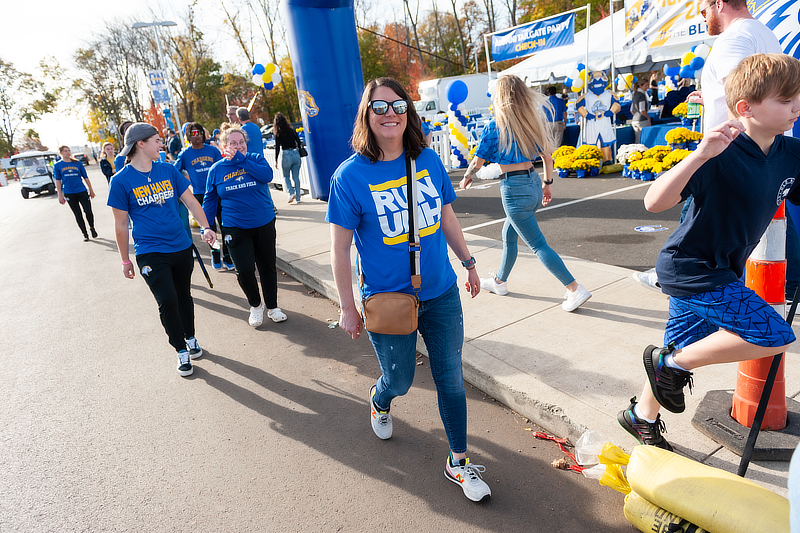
35 171
82 158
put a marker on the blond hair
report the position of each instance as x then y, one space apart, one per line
761 76
227 129
520 118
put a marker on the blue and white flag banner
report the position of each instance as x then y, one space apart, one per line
783 18
158 85
534 37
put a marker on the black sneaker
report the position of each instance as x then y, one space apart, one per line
642 430
666 383
184 364
94 233
85 237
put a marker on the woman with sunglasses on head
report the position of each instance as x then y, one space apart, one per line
149 192
239 186
368 200
514 139
196 161
286 139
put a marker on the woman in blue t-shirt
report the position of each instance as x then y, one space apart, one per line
514 139
149 192
368 201
239 183
70 175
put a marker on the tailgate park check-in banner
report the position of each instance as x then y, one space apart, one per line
663 23
534 37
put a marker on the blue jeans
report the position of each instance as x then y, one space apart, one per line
522 197
290 162
441 325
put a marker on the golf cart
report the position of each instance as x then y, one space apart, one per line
35 170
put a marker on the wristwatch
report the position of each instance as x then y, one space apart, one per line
203 230
469 263
548 182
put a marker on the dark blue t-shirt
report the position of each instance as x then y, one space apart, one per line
254 143
151 199
71 174
197 163
559 108
241 186
736 195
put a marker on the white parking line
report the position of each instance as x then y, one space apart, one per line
562 205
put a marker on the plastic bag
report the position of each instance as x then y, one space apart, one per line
595 472
588 447
489 172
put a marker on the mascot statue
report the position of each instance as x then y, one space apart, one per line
598 106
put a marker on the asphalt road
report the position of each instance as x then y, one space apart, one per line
579 222
271 433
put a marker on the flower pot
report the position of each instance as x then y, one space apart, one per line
626 171
677 146
581 173
563 173
636 174
647 175
594 171
692 145
687 122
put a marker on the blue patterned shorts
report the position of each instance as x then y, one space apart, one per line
732 307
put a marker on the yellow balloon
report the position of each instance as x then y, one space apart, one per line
266 78
269 68
576 89
687 58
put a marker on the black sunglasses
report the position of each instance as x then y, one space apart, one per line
381 107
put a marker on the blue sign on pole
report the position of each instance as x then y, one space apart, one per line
158 85
534 37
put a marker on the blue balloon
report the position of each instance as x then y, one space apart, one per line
635 79
673 71
568 83
692 49
666 70
268 86
697 63
581 67
453 107
258 69
457 92
686 72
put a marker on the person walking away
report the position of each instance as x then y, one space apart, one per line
639 108
744 165
70 176
557 117
233 118
196 160
366 201
107 160
239 185
286 139
513 139
255 144
173 145
149 191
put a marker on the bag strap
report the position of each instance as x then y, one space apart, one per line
414 247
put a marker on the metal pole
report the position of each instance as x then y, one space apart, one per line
488 63
166 77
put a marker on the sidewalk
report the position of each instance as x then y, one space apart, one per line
567 372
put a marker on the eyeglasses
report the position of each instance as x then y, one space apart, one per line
703 11
195 132
381 107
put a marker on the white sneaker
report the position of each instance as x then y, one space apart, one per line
193 347
381 420
184 364
291 198
648 279
490 284
573 300
468 476
256 315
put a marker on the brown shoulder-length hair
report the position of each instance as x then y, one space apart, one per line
363 140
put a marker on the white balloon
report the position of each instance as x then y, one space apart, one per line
276 78
577 83
702 50
574 74
257 79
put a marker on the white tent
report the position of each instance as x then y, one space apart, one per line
558 61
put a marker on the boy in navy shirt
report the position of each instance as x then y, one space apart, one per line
739 175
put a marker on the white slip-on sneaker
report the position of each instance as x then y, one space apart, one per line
648 279
573 300
490 284
256 315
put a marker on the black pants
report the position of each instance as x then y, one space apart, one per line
169 276
226 256
251 248
76 201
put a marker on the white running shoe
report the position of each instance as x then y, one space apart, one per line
276 315
256 315
490 284
184 364
468 476
193 347
381 420
573 300
648 279
291 198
